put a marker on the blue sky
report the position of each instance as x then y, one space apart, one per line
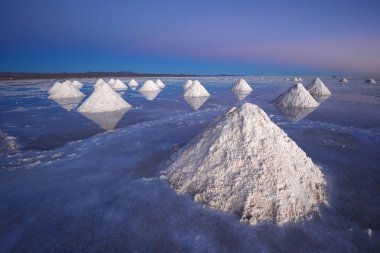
270 37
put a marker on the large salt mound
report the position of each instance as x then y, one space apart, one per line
149 86
244 163
196 89
371 81
99 82
160 84
318 88
296 96
133 84
54 88
103 99
242 85
118 85
66 90
187 84
77 84
343 80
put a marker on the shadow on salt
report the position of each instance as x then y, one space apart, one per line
106 120
196 102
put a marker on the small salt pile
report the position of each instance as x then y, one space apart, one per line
118 85
99 82
242 85
187 84
77 84
133 84
300 79
343 80
103 99
196 89
318 88
149 86
245 164
66 90
111 82
160 84
54 88
295 79
296 96
370 80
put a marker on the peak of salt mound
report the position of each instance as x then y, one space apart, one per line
54 88
77 84
103 99
66 90
242 85
111 81
99 82
343 80
118 85
149 86
160 84
318 88
196 89
187 84
244 163
296 96
133 84
371 81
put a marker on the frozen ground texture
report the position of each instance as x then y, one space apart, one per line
245 163
67 185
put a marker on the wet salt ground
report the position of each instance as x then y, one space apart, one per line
74 187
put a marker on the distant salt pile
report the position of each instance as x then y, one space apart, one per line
343 80
66 90
187 84
242 86
259 173
133 84
296 96
196 89
54 88
318 88
103 99
295 79
99 82
371 81
111 82
300 79
77 84
149 86
160 84
118 85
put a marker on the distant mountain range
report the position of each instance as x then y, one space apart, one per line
90 74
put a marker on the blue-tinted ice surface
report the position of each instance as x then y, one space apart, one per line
70 186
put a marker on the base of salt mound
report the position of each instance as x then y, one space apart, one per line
296 96
196 102
242 85
196 89
259 173
296 113
66 90
160 84
241 95
106 120
149 86
150 95
68 104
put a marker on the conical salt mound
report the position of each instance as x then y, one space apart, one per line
196 89
160 84
77 84
187 84
99 82
242 85
150 95
111 81
246 164
371 81
66 90
118 85
296 96
318 88
133 84
103 99
149 86
343 80
54 88
295 79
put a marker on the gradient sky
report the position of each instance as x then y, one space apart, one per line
265 37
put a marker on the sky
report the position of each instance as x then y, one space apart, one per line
248 37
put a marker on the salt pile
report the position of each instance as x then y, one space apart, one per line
196 89
103 99
246 164
77 84
187 84
295 79
111 82
54 88
242 85
149 86
133 84
99 82
118 85
343 80
66 90
371 81
160 84
149 95
296 96
318 88
196 102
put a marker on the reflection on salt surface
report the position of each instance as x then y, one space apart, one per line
68 104
321 99
106 120
241 95
150 95
196 102
295 113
